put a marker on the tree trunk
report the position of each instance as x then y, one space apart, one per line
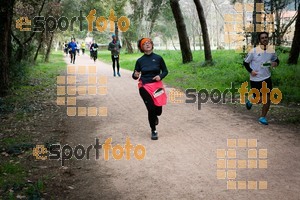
254 40
277 30
151 28
205 36
128 45
116 30
294 53
166 43
272 12
182 33
217 24
154 13
173 44
6 15
39 46
22 50
200 42
194 40
49 47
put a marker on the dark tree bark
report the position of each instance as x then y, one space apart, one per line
294 53
254 39
39 46
200 42
205 36
6 15
49 45
154 13
182 33
19 53
22 44
277 25
128 45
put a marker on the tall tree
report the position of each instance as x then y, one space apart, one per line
205 36
24 39
6 15
254 39
54 11
182 33
154 13
165 27
281 25
294 53
135 24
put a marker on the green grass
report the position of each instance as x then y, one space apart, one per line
35 82
227 69
32 85
11 141
27 93
12 175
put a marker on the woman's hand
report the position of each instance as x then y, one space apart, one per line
136 74
157 78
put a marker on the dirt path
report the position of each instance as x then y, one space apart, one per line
182 164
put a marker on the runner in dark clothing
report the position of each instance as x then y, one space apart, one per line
72 46
114 46
94 51
150 69
66 48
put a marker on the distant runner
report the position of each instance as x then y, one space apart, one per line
72 46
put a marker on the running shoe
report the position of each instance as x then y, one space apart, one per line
263 120
248 104
119 74
154 135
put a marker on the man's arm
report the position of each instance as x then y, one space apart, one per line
247 66
247 62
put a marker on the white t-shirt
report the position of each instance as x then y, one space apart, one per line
257 57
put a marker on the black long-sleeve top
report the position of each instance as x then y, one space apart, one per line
150 65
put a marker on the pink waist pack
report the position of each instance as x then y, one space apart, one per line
157 92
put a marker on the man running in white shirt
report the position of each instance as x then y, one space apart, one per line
258 63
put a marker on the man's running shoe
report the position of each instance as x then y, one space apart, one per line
154 135
119 74
248 104
263 120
